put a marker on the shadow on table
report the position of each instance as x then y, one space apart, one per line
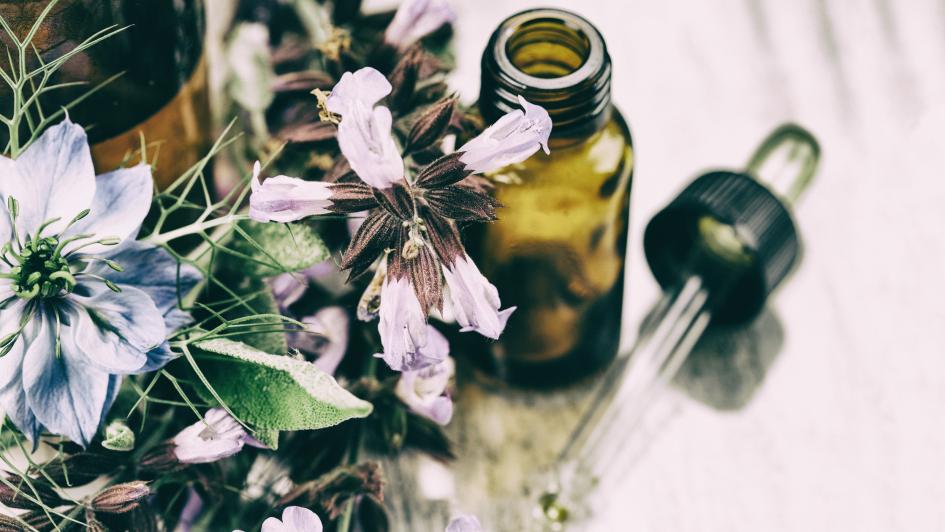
728 365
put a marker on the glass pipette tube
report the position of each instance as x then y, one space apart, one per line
595 455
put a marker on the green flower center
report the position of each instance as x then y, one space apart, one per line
42 271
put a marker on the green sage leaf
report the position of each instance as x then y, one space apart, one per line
275 393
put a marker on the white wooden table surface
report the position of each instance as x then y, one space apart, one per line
832 416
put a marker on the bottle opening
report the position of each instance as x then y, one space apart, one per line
552 58
548 48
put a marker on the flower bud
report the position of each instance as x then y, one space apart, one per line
121 498
119 437
16 493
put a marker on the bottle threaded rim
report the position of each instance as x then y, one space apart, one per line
553 58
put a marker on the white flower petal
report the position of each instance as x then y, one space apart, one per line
512 139
122 200
417 18
402 326
66 395
362 88
364 137
475 300
298 519
54 178
287 199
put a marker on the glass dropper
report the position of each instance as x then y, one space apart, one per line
718 250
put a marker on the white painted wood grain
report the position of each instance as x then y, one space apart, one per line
845 430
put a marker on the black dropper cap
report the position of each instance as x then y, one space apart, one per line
735 229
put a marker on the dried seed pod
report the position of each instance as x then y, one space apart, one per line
26 522
161 459
121 498
307 132
305 81
431 125
15 492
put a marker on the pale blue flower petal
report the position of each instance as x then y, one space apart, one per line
54 178
158 358
122 200
464 523
131 316
66 394
12 395
153 270
100 347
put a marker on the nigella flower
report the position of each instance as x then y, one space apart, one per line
424 391
464 523
81 302
411 223
364 133
215 437
294 519
417 18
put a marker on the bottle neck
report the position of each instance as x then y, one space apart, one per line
552 58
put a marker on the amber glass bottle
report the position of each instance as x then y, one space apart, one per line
162 91
557 251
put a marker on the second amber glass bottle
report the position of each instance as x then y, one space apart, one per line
557 251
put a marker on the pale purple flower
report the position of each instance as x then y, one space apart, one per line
474 299
192 509
294 519
215 437
404 329
424 391
325 336
464 523
287 199
511 139
417 18
364 134
71 324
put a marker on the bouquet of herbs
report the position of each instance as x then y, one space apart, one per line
226 357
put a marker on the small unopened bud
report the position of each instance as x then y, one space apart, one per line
121 498
16 493
110 241
119 437
13 206
114 265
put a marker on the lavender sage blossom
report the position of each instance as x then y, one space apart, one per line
364 134
424 391
294 519
464 523
215 437
417 18
412 220
512 139
81 301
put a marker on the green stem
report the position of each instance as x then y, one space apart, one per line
192 229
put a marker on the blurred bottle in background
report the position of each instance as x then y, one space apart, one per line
161 92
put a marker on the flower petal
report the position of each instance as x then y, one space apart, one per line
402 326
417 18
475 300
12 395
364 136
66 394
464 523
134 327
54 178
287 199
511 139
122 200
364 87
155 272
300 519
